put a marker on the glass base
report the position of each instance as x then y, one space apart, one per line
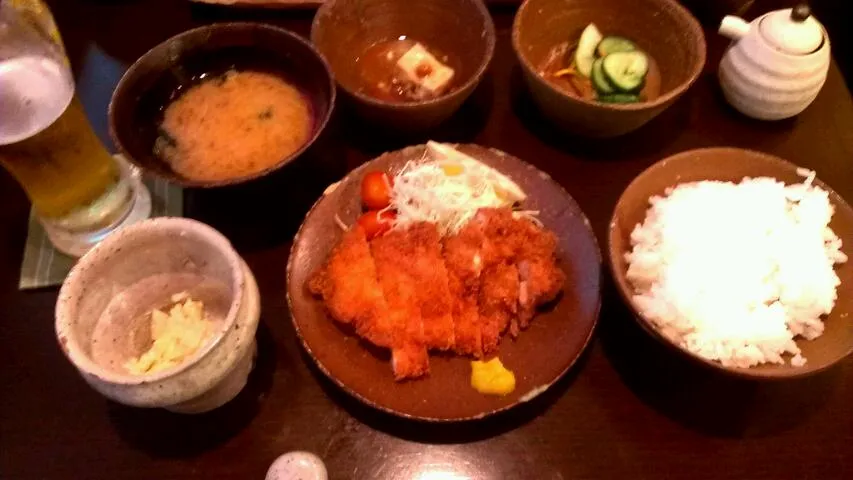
77 243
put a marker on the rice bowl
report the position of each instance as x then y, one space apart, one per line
776 240
733 165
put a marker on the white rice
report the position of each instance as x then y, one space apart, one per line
735 272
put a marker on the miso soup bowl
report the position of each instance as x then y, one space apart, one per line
662 28
102 314
344 29
151 83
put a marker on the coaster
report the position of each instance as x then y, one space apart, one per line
44 266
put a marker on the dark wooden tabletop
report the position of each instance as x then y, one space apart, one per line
627 410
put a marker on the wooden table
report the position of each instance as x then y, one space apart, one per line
627 410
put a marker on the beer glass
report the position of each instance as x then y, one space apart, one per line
78 190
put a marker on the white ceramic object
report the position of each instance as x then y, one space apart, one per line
297 466
776 65
102 313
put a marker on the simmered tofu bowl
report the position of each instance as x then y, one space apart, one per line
405 65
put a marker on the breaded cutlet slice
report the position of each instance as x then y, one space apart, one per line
540 278
532 249
464 264
392 253
497 225
466 319
498 302
426 266
350 289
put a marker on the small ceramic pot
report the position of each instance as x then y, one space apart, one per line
776 65
102 314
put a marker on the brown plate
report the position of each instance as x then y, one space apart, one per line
299 4
264 3
539 356
732 164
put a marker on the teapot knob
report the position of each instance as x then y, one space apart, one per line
801 12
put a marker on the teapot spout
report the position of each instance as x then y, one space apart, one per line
733 27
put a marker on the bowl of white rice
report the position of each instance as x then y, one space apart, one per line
738 259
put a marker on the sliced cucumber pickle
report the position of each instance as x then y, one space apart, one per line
614 44
599 80
585 53
626 70
619 98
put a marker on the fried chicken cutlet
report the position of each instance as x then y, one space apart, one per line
350 289
462 254
414 280
540 280
410 291
372 291
427 267
517 241
409 357
501 268
498 302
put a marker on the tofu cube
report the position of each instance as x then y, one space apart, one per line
419 67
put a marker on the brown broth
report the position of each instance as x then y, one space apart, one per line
378 71
234 125
579 86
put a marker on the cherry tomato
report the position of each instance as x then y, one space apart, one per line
376 190
376 222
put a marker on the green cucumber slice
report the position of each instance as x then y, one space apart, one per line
619 98
599 80
614 44
585 53
626 70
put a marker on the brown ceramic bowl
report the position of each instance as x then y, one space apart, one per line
662 28
150 84
463 29
539 356
732 164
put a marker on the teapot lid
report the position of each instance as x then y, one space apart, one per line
792 30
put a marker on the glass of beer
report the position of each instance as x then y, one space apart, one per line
78 190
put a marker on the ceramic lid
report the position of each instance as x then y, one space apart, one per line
792 30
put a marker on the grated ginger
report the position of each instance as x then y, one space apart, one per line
176 335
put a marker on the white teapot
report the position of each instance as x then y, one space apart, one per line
776 65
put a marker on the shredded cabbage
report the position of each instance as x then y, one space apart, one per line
447 188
